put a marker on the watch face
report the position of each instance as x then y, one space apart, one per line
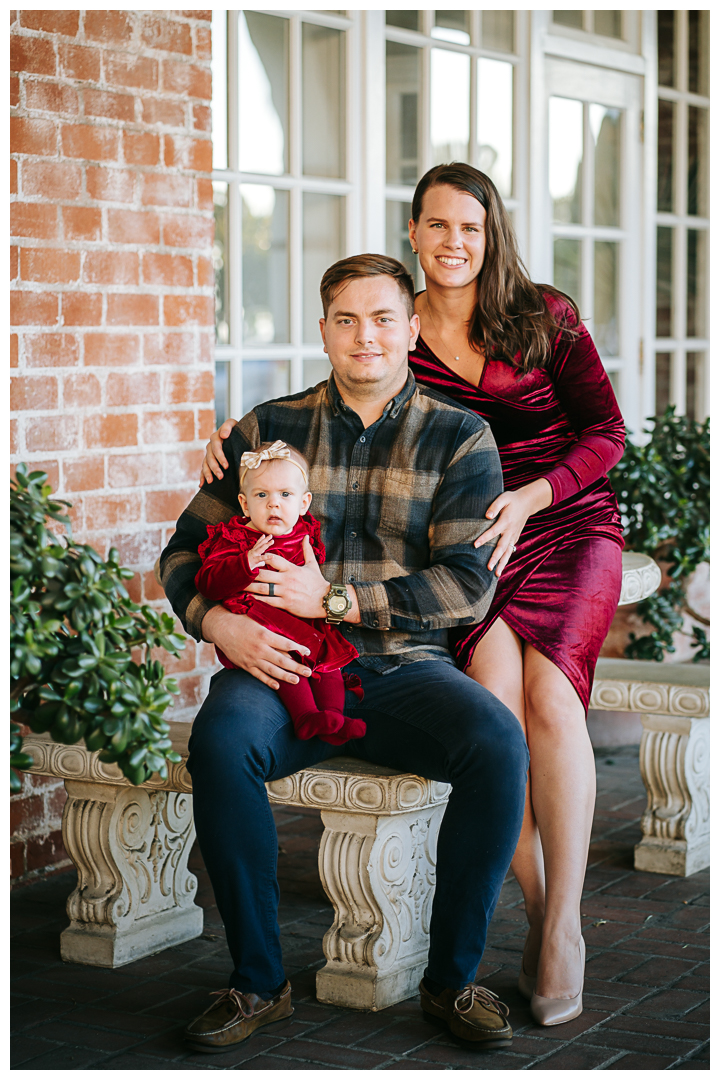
337 604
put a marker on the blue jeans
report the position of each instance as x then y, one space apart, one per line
426 718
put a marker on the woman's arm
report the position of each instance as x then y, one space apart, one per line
215 461
586 394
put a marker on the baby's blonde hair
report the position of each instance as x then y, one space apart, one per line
295 456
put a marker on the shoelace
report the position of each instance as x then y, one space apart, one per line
472 993
241 1003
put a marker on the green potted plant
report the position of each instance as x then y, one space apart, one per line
80 663
663 488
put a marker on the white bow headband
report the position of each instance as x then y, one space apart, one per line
253 459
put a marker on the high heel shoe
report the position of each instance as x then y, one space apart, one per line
526 983
550 1011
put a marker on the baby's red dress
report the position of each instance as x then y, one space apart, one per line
315 704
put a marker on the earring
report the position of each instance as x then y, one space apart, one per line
415 251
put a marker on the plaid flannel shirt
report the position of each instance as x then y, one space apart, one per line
400 504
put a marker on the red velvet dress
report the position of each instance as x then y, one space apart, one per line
560 589
225 575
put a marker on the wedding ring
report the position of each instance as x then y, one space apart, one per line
271 588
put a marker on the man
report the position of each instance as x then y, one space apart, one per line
401 478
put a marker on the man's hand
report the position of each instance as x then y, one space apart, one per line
297 589
254 648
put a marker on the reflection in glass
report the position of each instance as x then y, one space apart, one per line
569 18
323 244
566 155
323 67
402 120
695 386
608 23
698 51
218 67
397 241
495 123
605 128
407 20
498 30
666 156
263 66
566 267
264 264
315 370
663 377
666 47
222 391
264 380
220 263
452 26
697 161
606 333
696 282
664 289
449 106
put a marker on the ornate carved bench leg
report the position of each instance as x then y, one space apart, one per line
675 767
379 872
135 895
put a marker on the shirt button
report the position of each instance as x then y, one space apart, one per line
353 535
351 579
355 486
375 622
362 438
349 629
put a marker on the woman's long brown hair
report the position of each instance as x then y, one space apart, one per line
512 314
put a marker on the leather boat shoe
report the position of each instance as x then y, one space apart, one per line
473 1014
234 1017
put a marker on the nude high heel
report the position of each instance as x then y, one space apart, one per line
550 1011
526 983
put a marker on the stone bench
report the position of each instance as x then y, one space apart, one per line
674 703
136 896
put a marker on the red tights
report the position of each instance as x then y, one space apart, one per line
316 708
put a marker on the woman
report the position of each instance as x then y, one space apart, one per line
517 354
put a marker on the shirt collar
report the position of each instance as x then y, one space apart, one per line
393 406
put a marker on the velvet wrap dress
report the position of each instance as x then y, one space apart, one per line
560 588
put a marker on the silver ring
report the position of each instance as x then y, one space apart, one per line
271 588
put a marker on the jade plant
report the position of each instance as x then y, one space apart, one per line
80 648
663 488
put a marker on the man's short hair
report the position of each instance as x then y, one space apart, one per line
363 266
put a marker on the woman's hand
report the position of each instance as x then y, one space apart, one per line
510 511
215 461
255 554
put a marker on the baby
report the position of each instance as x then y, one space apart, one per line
275 500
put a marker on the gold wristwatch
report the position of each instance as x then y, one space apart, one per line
337 603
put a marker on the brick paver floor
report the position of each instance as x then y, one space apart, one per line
646 990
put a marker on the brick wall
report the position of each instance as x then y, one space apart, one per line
111 298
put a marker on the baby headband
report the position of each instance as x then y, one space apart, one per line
253 459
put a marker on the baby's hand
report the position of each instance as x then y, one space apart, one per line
255 554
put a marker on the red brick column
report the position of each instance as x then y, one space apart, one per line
111 296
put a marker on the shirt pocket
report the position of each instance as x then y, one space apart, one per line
396 506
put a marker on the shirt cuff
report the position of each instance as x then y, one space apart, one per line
196 612
373 603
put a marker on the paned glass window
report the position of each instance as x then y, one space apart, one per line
282 123
682 211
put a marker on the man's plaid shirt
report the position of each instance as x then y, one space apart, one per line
400 504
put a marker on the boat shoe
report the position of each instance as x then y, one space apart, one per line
234 1017
473 1014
